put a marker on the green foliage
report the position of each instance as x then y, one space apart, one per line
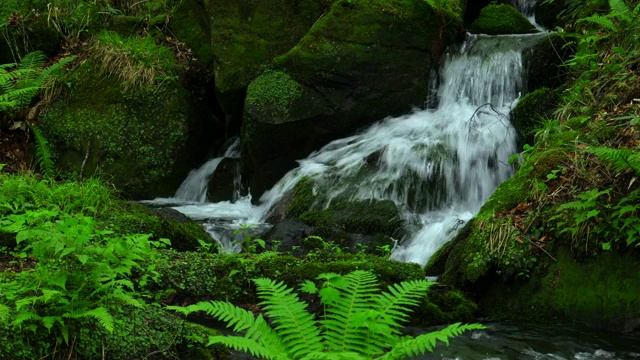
619 159
137 62
19 83
74 272
603 66
43 154
358 321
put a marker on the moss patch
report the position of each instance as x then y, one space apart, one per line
497 19
273 92
600 291
362 217
530 110
134 139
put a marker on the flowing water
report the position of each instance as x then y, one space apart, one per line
438 165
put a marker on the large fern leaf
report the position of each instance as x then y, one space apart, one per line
343 331
295 325
247 346
5 311
101 314
410 347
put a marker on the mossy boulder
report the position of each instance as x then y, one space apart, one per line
499 19
143 140
247 34
545 62
133 218
361 217
599 291
530 111
193 277
190 24
360 62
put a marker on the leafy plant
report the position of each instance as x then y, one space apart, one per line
20 82
137 62
358 322
43 153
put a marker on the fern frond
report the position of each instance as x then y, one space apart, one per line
5 311
101 314
394 309
43 153
335 356
247 346
410 347
602 21
618 159
620 10
240 319
343 331
295 326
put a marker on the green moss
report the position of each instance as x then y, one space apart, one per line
444 305
139 332
497 19
144 141
273 92
132 218
530 110
190 24
246 35
303 197
599 291
363 217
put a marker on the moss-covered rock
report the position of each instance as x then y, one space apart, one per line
530 111
600 291
545 62
145 140
194 276
184 233
361 61
362 217
247 34
191 25
498 19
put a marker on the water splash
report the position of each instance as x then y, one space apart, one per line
194 187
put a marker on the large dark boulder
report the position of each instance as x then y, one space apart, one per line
360 62
247 34
143 139
498 19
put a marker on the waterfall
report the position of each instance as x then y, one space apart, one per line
438 165
194 187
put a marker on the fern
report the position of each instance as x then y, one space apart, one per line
621 11
102 315
359 323
618 159
43 153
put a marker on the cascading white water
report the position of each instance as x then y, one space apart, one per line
439 166
194 187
